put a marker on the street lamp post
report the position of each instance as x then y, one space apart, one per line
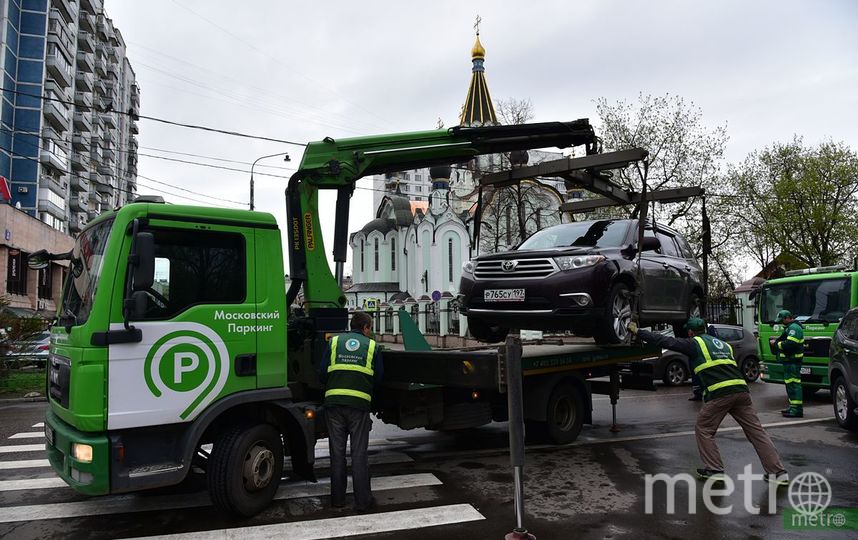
252 206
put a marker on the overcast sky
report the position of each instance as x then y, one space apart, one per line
301 71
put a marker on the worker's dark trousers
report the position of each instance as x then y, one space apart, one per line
738 406
792 381
344 423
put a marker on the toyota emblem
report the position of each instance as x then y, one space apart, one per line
509 266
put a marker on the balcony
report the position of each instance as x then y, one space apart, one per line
86 20
113 70
106 172
95 153
59 33
100 67
79 182
108 154
85 42
50 133
104 187
57 115
79 202
133 144
84 81
133 127
79 161
99 86
77 222
83 99
53 184
66 9
82 121
108 119
51 207
59 68
80 141
85 62
53 155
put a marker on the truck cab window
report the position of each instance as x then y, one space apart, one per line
196 267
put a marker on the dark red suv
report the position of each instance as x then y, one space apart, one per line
577 277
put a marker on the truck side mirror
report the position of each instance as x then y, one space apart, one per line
144 261
650 244
38 260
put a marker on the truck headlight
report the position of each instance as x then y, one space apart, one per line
468 267
571 262
82 452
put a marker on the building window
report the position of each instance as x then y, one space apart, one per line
46 278
450 260
419 189
361 256
16 273
393 254
375 254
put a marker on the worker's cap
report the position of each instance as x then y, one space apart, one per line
782 314
695 323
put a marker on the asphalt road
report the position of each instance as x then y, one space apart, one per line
460 484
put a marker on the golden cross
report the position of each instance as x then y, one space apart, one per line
477 24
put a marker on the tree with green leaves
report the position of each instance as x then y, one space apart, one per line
801 200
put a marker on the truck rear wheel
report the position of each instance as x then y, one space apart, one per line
244 469
565 415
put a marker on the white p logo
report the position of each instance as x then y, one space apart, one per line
184 362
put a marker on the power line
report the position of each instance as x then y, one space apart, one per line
156 119
214 158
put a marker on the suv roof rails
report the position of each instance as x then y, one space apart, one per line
149 199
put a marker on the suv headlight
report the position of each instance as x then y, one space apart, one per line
468 267
577 261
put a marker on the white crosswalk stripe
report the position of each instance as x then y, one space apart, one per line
39 424
134 503
343 526
29 435
24 464
22 448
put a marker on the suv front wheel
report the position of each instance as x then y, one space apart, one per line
482 331
844 406
612 327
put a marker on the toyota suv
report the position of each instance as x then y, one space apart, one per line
580 277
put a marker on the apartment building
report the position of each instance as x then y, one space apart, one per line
68 144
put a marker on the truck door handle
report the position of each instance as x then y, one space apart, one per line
665 265
687 268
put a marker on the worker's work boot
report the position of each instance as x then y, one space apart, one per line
779 478
793 413
706 474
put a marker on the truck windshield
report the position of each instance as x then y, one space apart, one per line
816 301
82 282
604 233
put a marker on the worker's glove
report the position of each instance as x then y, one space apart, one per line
633 327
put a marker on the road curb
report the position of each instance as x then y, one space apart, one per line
22 400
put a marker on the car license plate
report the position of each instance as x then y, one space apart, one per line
503 295
49 434
804 371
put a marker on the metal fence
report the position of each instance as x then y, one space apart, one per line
724 311
429 317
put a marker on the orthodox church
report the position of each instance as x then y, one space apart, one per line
413 251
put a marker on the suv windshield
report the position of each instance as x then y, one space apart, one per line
605 233
86 264
823 300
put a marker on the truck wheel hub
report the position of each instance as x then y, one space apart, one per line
258 468
564 414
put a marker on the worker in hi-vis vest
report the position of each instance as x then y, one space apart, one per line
350 370
790 350
724 392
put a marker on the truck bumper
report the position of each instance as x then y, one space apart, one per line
773 372
91 477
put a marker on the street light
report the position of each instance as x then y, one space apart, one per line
254 164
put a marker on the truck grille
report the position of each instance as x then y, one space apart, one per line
59 375
514 269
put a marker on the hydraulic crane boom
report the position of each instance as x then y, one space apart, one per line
339 164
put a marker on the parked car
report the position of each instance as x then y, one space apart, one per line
673 368
843 371
581 277
33 349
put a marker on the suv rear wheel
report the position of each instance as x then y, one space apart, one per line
844 406
483 331
612 327
692 311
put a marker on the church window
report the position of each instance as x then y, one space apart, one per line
450 260
393 254
375 254
361 256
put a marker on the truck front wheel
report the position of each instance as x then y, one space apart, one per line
245 468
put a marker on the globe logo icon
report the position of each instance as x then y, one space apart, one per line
809 493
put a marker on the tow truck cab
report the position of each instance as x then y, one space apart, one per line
172 326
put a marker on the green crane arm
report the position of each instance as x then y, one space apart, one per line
338 164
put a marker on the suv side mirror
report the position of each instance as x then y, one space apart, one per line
144 261
650 244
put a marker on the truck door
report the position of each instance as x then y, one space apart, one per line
199 323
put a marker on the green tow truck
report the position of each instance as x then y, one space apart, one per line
173 349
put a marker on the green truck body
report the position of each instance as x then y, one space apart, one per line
173 349
818 300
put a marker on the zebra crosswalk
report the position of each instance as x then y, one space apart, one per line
26 477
